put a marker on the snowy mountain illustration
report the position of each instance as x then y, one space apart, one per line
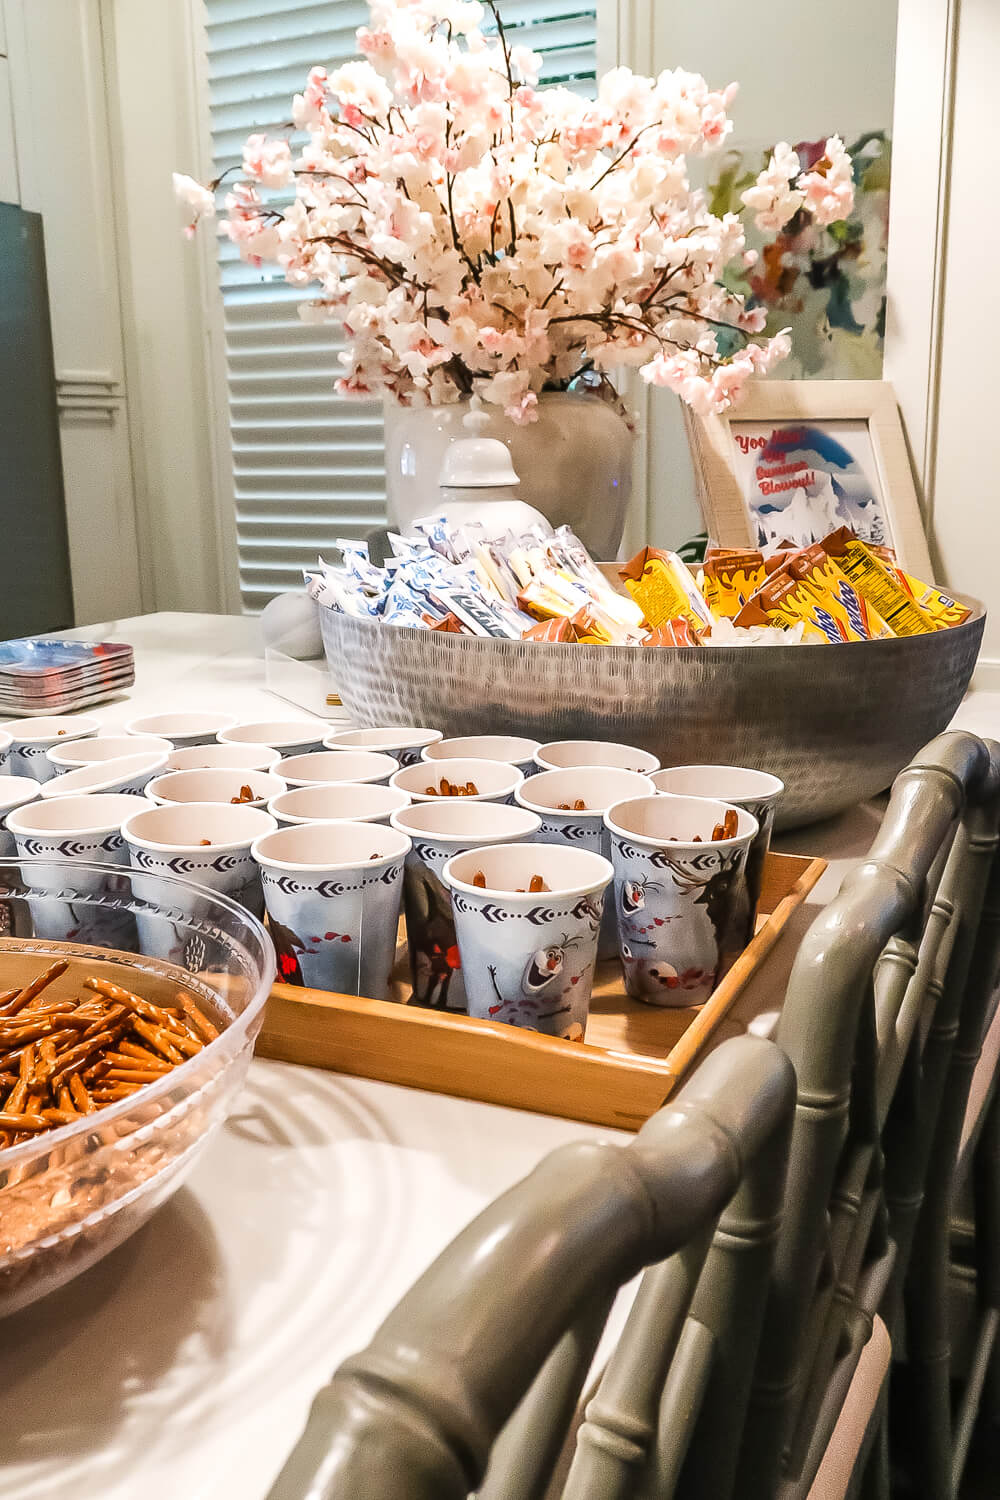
806 484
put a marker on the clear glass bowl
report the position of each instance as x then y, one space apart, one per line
72 1194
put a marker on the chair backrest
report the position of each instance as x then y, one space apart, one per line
473 1380
891 972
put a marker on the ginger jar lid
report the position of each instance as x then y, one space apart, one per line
477 463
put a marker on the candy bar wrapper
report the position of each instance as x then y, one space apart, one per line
554 631
550 594
661 585
673 633
727 582
435 530
785 601
941 609
594 627
873 580
331 587
479 615
450 625
854 617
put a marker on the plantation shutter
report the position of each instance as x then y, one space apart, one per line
308 465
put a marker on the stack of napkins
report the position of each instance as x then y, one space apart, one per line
53 677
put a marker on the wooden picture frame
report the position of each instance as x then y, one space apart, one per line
858 475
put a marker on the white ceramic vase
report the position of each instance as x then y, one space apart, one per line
574 463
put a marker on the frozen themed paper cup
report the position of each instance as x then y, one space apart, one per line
103 747
756 792
78 828
129 773
555 795
326 767
404 745
216 786
32 739
15 791
528 959
345 802
510 749
197 727
561 755
218 757
332 892
494 780
287 736
207 843
6 741
678 894
439 829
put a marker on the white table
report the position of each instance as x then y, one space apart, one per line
182 1366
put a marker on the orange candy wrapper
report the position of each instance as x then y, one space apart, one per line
558 631
450 625
673 633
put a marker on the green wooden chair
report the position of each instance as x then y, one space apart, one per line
883 1019
471 1383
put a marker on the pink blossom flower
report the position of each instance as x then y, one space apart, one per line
357 85
465 230
828 189
268 162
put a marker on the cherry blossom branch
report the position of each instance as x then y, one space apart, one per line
622 155
505 47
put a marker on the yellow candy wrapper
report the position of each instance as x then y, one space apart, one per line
873 581
852 616
664 589
943 611
785 601
728 580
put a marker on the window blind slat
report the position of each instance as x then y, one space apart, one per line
308 466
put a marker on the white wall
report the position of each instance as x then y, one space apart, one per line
10 191
964 487
803 71
153 59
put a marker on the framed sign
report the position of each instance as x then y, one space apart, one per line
798 459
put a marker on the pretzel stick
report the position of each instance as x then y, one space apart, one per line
41 982
13 1120
141 1054
136 1064
198 1019
81 1098
74 1060
144 1008
158 1039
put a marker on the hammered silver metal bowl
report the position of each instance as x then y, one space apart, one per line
836 723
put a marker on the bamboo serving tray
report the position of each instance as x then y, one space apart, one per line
633 1058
